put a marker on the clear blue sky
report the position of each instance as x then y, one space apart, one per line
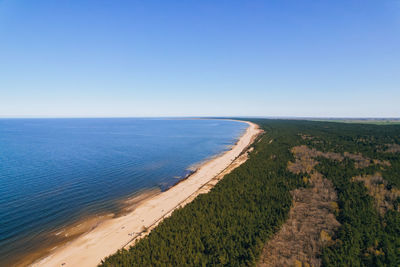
200 58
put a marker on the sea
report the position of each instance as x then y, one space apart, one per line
54 172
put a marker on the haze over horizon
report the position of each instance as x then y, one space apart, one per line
169 58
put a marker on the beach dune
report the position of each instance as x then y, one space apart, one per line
115 233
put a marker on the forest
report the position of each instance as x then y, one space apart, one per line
230 225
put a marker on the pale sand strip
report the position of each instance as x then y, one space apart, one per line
113 234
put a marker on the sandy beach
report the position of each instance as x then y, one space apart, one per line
115 233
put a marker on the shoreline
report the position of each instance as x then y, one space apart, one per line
142 213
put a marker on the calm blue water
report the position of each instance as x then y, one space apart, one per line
54 170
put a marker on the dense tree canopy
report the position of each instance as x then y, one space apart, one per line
230 225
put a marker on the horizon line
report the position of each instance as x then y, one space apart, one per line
200 117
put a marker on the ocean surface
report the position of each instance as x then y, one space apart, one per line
57 171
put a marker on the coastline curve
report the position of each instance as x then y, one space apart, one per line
112 234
